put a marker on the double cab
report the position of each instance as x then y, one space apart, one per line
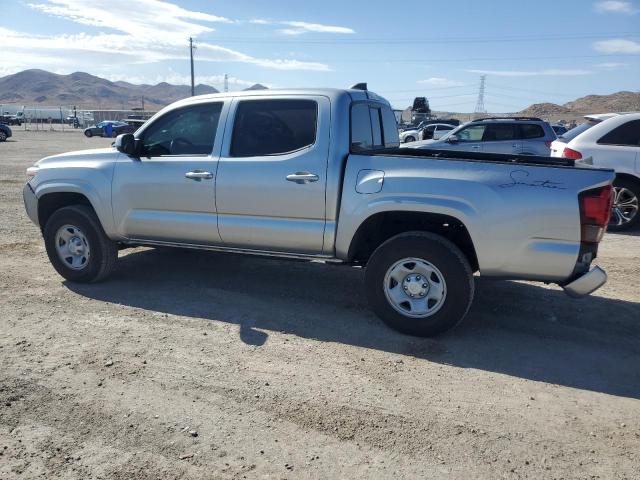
318 174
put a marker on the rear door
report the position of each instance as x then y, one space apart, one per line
271 180
501 138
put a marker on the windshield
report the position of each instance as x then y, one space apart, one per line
574 132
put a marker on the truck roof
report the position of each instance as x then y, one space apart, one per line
332 93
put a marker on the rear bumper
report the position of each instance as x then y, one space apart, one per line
586 283
30 203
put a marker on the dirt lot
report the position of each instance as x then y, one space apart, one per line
200 365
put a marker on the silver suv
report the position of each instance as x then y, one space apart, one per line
513 135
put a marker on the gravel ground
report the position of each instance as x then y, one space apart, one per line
201 365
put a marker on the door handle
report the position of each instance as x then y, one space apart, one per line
302 177
199 175
475 146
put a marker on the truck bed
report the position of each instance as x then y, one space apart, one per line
473 156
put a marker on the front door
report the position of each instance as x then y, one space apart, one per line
168 194
270 189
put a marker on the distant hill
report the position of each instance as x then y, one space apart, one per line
257 86
615 102
33 87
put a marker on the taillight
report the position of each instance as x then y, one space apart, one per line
595 211
571 153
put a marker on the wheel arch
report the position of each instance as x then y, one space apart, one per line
380 227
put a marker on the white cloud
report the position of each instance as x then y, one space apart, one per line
554 72
298 28
611 65
305 27
148 31
615 6
441 82
617 45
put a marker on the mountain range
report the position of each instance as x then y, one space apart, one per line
39 87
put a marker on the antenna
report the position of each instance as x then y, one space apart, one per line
192 47
480 109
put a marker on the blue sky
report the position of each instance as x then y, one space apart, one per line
531 52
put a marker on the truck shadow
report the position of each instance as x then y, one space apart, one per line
513 328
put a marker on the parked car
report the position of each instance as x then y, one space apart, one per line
5 132
557 146
559 129
424 131
517 135
318 175
9 119
118 128
613 143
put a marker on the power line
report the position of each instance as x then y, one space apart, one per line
430 40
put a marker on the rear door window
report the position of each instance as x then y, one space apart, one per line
627 134
499 132
273 127
361 133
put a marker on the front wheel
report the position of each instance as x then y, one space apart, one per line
77 246
3 136
419 283
88 134
409 139
624 212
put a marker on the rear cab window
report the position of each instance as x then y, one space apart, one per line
373 126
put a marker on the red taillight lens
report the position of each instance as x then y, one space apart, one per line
595 211
571 153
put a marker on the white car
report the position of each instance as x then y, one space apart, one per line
428 132
557 147
612 143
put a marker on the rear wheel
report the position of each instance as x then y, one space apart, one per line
419 283
88 133
77 246
626 203
3 136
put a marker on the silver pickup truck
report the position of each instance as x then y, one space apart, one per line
318 175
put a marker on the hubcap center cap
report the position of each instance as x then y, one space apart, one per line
76 247
416 285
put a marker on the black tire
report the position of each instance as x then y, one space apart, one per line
409 139
615 225
441 253
3 136
88 133
103 251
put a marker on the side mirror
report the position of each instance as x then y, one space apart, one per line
452 139
126 143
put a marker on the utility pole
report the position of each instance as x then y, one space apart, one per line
191 48
480 109
226 82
